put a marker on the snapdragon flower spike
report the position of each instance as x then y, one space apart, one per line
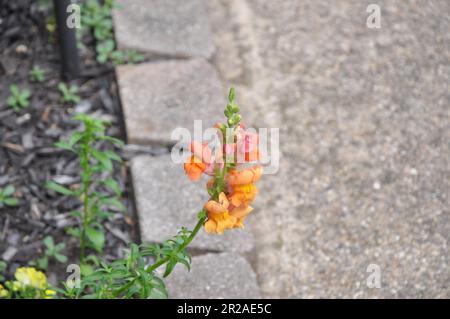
234 169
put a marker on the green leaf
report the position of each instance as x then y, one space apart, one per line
14 89
10 201
8 190
76 214
60 247
86 269
73 231
96 237
48 242
11 101
3 266
103 159
113 140
102 58
159 290
185 260
59 188
169 267
75 138
61 258
113 156
63 88
42 263
26 94
112 201
111 183
231 95
63 145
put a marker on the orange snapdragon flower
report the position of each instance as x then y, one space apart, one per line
240 213
219 217
194 168
246 176
243 194
199 162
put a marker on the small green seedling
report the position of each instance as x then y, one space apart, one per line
69 94
134 56
3 266
7 196
37 74
104 50
18 99
98 17
51 251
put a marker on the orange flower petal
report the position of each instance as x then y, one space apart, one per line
201 151
194 168
246 176
210 226
241 211
243 194
219 207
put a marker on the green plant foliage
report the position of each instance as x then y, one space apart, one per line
3 266
37 74
123 278
52 251
18 99
68 94
7 196
99 195
130 277
97 17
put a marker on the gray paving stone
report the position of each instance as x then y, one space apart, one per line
159 97
167 200
364 126
214 276
178 28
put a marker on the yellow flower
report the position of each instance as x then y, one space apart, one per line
3 292
49 294
29 277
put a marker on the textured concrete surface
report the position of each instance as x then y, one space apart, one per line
364 132
214 276
171 28
167 200
158 97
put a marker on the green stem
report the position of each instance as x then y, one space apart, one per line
86 180
162 261
194 232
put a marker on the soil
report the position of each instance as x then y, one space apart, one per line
27 156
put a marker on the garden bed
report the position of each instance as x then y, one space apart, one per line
28 158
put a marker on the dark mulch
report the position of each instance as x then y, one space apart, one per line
27 156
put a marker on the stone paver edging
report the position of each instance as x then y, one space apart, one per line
218 276
170 28
158 97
